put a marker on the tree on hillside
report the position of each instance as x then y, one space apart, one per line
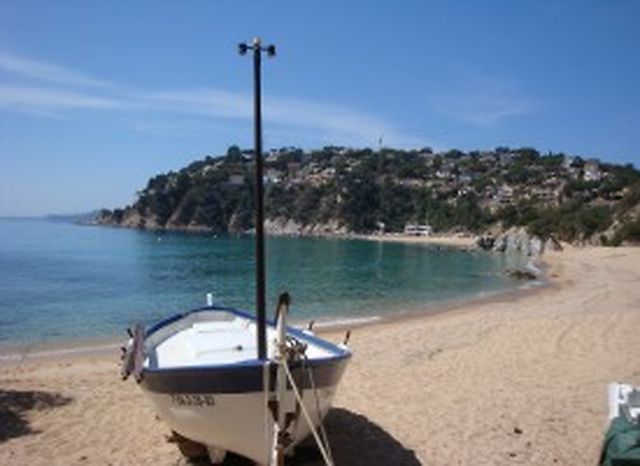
234 154
361 203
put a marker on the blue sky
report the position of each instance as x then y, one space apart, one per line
96 97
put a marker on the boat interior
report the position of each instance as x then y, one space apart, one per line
214 337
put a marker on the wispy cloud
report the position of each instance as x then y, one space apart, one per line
483 101
331 122
199 101
48 102
48 72
337 121
322 122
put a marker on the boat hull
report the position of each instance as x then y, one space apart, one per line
227 406
236 422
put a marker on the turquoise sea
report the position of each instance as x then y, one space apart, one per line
62 282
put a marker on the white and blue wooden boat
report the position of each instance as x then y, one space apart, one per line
201 372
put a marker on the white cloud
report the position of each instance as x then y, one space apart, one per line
321 122
483 101
200 101
330 122
17 97
335 120
46 71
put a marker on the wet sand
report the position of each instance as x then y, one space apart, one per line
517 380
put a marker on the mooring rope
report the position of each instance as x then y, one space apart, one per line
326 455
323 431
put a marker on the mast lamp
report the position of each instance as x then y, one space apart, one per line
256 46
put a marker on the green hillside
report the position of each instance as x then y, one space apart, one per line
365 191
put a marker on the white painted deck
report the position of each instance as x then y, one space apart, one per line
221 339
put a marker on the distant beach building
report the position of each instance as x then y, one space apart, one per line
505 195
418 230
545 194
592 171
272 176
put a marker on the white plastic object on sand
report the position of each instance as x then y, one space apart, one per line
624 399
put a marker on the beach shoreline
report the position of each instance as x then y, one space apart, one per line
457 241
460 240
516 380
102 346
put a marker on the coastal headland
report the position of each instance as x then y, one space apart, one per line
518 380
346 191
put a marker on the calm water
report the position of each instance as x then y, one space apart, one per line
61 282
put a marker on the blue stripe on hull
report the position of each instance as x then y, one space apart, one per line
238 378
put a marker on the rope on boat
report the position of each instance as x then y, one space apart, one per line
326 454
323 431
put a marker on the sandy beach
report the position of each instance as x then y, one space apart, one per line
517 380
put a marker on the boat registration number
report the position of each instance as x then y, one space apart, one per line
192 399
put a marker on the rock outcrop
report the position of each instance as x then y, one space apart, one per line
518 241
288 227
552 244
514 241
520 274
486 242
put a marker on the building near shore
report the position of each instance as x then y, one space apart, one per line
418 230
